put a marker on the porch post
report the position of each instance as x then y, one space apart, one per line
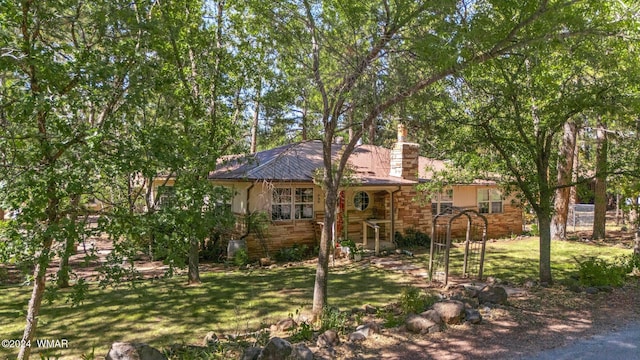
393 221
364 234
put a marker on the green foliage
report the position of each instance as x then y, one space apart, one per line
414 300
302 332
596 271
241 257
333 319
294 253
78 293
630 262
353 248
391 320
412 237
188 352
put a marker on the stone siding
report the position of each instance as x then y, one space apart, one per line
404 161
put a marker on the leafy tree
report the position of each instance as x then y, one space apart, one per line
65 69
511 112
364 58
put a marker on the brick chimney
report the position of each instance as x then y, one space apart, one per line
404 157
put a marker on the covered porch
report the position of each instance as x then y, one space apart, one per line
366 215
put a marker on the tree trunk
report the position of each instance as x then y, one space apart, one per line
69 246
636 246
194 261
600 195
372 132
544 223
322 270
39 274
64 270
565 172
34 305
256 118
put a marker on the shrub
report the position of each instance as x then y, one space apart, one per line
332 318
241 257
599 272
414 300
294 253
302 332
412 237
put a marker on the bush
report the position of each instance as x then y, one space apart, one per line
302 332
414 300
333 319
599 272
241 257
412 237
294 253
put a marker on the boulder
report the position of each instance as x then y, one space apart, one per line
473 316
369 309
357 336
251 353
364 331
211 339
420 325
286 324
301 352
451 311
493 294
133 351
276 349
591 290
369 328
432 315
329 338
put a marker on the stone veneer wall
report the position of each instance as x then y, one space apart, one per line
409 214
404 161
500 225
412 214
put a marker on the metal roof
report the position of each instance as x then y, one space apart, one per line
299 161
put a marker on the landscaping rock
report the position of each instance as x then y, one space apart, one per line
286 324
591 290
329 338
451 311
133 351
211 339
251 353
432 315
364 331
357 336
420 325
369 309
493 294
301 352
473 316
605 288
276 349
369 329
574 288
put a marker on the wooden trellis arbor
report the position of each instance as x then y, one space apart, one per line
474 244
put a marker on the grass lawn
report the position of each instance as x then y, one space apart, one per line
167 311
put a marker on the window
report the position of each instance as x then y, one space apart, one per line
361 200
166 196
284 200
442 203
489 201
281 204
304 203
